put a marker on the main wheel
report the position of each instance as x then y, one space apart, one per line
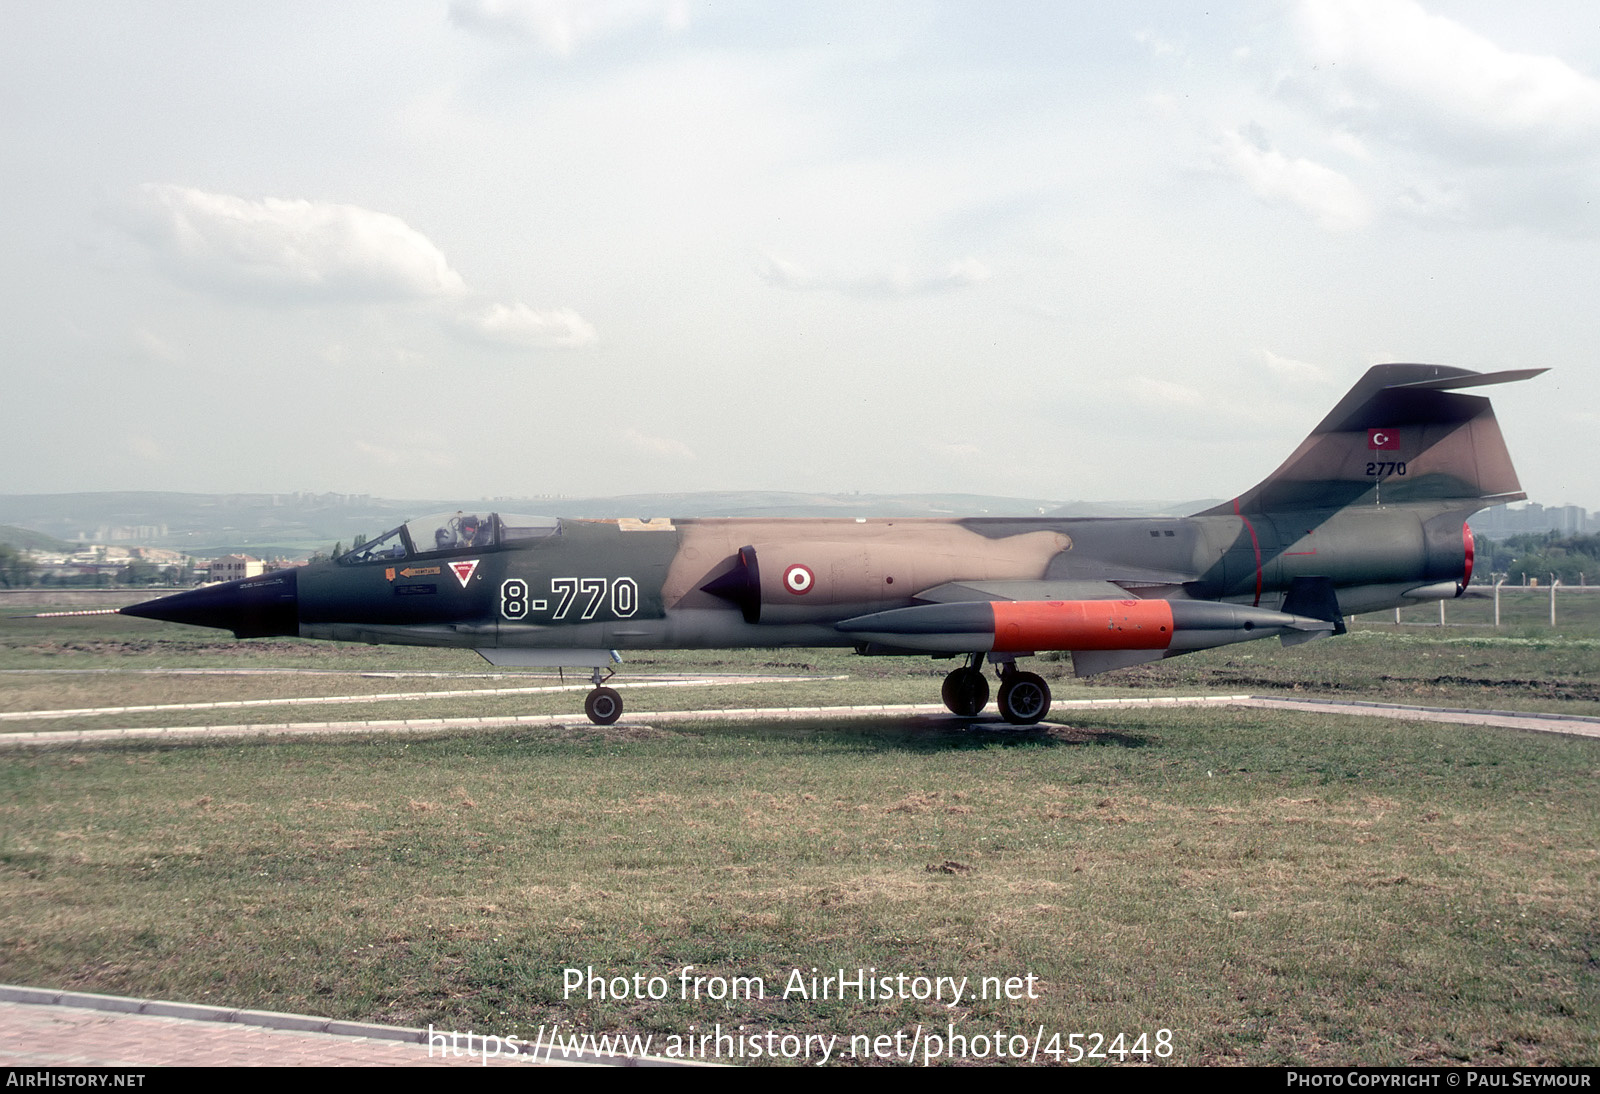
965 692
1024 698
603 706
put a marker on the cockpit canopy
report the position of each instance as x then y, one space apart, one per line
449 532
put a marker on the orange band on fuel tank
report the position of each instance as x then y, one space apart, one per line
1020 626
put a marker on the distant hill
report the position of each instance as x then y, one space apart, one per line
758 503
31 541
1133 508
299 524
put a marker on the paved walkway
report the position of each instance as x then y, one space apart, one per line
405 696
78 1029
433 725
1570 724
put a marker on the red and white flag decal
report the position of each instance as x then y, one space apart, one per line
1383 439
798 579
463 571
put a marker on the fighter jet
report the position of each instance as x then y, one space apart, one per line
1367 513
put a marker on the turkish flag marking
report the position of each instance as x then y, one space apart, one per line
1382 439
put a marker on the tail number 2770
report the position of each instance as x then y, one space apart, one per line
568 592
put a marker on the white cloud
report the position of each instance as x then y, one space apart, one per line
146 448
1401 67
289 248
153 347
425 453
518 326
1330 197
659 447
1430 199
1351 145
560 26
1157 45
1146 389
898 280
310 251
1287 368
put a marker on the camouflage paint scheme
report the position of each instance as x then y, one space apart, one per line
1367 513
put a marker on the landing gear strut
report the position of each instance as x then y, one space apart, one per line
1024 697
602 705
966 690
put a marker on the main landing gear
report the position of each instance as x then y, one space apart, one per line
966 690
602 705
1024 696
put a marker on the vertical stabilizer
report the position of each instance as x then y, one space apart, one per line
1402 434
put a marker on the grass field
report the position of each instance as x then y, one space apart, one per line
1270 887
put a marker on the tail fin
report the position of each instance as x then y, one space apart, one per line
1400 435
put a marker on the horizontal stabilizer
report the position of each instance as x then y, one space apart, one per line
1475 379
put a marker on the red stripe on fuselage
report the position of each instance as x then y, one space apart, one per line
1023 626
1255 543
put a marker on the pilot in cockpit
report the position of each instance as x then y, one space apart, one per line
463 530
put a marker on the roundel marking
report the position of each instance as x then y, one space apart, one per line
798 579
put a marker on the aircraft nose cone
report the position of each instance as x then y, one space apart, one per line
252 607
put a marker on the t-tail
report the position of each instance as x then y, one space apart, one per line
1370 511
1404 435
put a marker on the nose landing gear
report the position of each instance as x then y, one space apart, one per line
603 705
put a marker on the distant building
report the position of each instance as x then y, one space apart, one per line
1504 520
108 533
233 567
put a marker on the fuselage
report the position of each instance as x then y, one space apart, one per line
643 584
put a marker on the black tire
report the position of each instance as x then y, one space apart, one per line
1024 698
603 706
965 692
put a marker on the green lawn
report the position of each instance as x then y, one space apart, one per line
1271 887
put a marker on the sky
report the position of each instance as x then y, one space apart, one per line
489 248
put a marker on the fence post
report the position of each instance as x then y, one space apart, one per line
1497 585
1553 583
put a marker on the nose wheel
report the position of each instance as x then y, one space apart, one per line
1024 697
602 705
